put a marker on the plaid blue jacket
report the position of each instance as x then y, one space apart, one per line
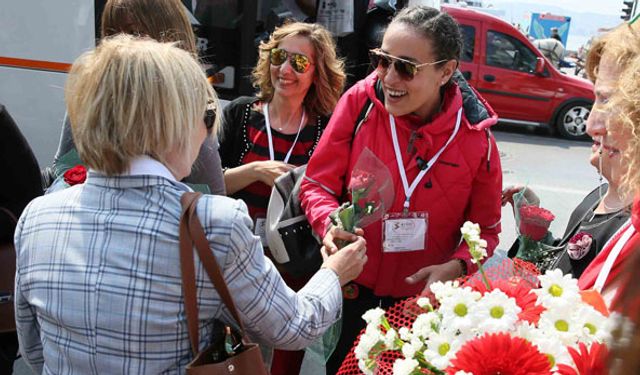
98 287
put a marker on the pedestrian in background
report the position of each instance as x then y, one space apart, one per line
555 35
552 49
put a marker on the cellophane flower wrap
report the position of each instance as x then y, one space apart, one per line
507 320
371 192
534 239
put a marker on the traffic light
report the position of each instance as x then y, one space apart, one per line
628 8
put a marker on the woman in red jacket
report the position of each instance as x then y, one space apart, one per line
443 160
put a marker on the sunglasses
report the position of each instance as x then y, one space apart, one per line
210 115
300 63
405 68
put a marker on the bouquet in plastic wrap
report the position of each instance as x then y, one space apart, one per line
371 191
506 319
535 241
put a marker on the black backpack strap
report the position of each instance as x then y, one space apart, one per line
366 109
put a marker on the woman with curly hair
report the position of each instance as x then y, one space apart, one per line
612 124
299 80
624 106
606 208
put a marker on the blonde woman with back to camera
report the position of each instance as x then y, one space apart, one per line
98 283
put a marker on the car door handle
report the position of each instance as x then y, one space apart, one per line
489 77
466 75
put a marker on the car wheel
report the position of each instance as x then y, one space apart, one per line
571 122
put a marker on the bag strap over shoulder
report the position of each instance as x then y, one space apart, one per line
191 233
366 109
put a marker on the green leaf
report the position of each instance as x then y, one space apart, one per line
346 216
66 162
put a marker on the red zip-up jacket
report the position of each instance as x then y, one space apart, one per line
464 184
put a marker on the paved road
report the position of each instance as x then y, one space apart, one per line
556 169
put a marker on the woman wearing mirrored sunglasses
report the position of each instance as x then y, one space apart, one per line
443 160
299 80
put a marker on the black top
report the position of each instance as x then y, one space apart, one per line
601 227
243 139
21 175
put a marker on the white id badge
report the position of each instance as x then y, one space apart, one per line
404 232
260 230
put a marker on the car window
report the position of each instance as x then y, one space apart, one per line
468 42
505 51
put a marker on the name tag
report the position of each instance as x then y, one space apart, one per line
260 230
404 234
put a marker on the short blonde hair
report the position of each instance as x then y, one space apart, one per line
324 93
132 97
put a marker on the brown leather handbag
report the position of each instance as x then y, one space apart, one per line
7 280
240 356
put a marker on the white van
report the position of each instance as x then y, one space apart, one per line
39 40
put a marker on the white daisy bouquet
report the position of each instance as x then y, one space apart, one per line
505 323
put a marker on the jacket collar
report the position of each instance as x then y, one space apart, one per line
143 172
132 182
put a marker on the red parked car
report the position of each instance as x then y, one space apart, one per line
521 85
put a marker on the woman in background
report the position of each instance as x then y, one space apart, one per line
165 21
299 80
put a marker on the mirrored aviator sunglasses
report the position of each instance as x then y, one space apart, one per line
299 62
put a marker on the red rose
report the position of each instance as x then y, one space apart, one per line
534 221
362 181
75 175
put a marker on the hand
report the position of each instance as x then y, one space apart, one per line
267 171
510 191
348 262
333 234
440 272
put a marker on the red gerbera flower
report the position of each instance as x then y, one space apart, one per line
518 289
590 361
500 354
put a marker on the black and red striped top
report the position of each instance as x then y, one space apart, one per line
243 139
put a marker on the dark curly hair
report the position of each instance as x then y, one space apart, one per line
439 27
